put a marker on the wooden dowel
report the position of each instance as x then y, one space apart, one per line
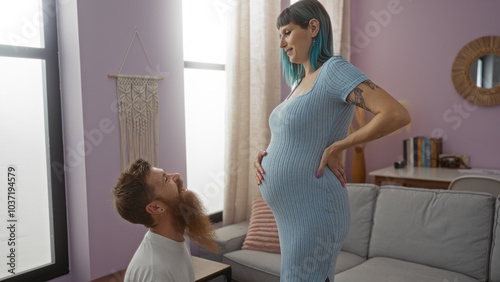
140 76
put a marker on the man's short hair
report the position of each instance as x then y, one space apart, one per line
132 194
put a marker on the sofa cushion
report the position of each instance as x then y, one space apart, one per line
450 230
347 260
362 199
495 246
382 269
250 265
229 238
262 232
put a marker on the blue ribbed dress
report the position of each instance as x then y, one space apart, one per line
312 214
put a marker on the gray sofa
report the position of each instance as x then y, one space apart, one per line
397 234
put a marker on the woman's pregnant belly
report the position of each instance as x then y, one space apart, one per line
291 177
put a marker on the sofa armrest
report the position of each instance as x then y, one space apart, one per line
229 238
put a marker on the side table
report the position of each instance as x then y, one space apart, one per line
426 177
205 269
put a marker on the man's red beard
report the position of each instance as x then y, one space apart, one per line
189 216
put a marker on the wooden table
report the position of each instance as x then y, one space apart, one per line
205 269
425 177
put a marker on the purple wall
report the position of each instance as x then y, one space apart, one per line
105 29
410 54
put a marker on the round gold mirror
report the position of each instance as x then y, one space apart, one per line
476 71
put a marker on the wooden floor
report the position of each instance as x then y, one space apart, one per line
114 277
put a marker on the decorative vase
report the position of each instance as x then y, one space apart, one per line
358 165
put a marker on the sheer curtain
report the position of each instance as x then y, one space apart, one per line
340 15
254 90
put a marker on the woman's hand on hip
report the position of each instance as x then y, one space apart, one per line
257 167
333 159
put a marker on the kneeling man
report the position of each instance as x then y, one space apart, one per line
150 196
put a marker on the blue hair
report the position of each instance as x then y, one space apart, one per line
301 13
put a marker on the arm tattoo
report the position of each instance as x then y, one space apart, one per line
358 99
370 84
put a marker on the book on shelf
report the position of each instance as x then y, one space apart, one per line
422 151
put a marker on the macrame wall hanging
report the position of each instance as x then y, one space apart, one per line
138 113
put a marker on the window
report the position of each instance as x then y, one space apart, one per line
32 192
204 30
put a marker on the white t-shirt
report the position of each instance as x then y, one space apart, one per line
160 259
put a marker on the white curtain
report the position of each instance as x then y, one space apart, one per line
254 90
340 15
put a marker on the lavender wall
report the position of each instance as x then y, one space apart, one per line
410 55
104 30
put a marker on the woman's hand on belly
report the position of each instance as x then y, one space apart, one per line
257 167
333 159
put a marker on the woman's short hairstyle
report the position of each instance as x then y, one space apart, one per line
300 14
132 194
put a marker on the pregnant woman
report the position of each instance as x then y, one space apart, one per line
300 175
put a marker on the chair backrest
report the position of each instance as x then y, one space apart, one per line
476 183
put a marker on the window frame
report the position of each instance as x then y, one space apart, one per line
49 53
